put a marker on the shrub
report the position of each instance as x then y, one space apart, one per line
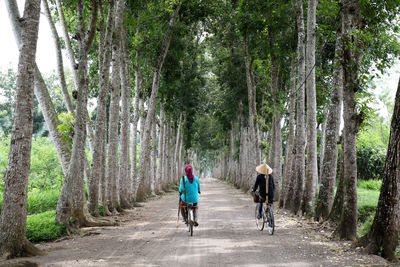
41 201
370 184
370 162
42 227
46 171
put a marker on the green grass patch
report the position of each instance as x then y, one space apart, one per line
367 202
370 184
41 201
42 227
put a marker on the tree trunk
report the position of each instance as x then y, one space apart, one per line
13 214
287 179
312 166
254 159
177 149
153 161
60 65
72 199
113 127
385 230
276 148
101 120
161 147
75 68
135 120
337 205
144 145
42 95
300 132
329 161
124 175
351 21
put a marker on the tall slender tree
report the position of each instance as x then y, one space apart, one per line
311 168
352 55
144 147
13 241
383 236
300 131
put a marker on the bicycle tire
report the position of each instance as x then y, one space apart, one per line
191 222
259 222
270 221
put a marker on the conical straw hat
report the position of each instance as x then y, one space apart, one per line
264 169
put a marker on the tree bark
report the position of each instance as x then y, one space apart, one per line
75 67
352 55
124 175
99 140
329 161
144 147
135 120
153 161
161 147
72 199
60 65
254 145
113 127
337 206
287 179
312 166
13 214
42 95
276 148
300 132
385 230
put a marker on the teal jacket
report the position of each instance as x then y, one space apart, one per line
192 190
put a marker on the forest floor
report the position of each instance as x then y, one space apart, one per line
227 236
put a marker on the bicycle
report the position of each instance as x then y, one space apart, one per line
189 211
190 217
269 219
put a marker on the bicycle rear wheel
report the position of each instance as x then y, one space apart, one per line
260 220
191 222
270 221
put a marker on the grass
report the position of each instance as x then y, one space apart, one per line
42 227
41 201
367 196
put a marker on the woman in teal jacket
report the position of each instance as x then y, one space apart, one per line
192 186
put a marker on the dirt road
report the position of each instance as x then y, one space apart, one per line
226 236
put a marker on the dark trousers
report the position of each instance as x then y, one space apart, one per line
184 211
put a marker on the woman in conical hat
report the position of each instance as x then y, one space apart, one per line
263 176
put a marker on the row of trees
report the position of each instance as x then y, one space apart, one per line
305 75
186 75
117 51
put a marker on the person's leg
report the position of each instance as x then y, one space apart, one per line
260 206
195 214
183 211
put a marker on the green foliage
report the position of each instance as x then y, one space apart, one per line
42 227
370 184
66 126
370 162
364 228
367 202
45 170
41 201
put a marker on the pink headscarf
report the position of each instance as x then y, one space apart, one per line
189 173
